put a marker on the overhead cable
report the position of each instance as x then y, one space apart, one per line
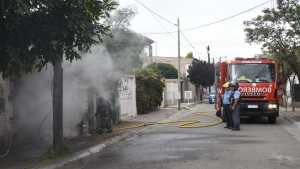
190 43
155 13
215 22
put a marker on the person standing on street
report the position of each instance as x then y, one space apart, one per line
235 106
226 106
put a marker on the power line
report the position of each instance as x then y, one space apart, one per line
215 22
190 43
171 35
157 20
155 13
227 18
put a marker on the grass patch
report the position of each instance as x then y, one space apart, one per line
51 154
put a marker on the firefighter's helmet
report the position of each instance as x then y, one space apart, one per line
226 85
234 84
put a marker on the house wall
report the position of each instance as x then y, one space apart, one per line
186 85
288 96
127 97
170 94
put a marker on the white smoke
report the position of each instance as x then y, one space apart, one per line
97 69
33 101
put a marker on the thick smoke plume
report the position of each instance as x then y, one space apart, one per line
97 69
33 101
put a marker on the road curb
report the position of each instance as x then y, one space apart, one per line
88 152
290 120
98 148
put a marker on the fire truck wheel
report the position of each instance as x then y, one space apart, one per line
272 119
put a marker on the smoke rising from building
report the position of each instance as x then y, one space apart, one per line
100 68
33 101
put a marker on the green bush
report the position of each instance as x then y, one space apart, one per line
149 89
168 71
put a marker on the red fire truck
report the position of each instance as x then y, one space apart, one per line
259 84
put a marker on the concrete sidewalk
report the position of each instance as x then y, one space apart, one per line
164 113
291 116
77 148
82 147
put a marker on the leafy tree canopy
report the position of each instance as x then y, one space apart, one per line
201 73
167 71
121 18
36 32
125 46
278 30
149 89
189 55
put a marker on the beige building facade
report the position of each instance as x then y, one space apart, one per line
171 92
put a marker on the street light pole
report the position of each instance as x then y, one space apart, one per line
208 54
178 78
208 61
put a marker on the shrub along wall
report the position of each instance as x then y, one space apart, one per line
149 89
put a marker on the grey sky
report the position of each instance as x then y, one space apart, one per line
226 38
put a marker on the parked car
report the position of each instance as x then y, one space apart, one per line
211 98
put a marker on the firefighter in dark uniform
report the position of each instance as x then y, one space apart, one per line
226 105
235 105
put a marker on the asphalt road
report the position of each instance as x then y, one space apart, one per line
257 146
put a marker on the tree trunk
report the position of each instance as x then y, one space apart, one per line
285 98
293 94
197 93
201 94
57 102
290 84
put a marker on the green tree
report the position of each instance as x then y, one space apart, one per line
201 73
167 71
35 33
125 46
121 18
189 55
278 32
149 89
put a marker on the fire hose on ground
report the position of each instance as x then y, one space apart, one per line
181 123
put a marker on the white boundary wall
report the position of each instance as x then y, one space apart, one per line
127 93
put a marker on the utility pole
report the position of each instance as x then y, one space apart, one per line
178 78
57 103
208 61
208 54
156 45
